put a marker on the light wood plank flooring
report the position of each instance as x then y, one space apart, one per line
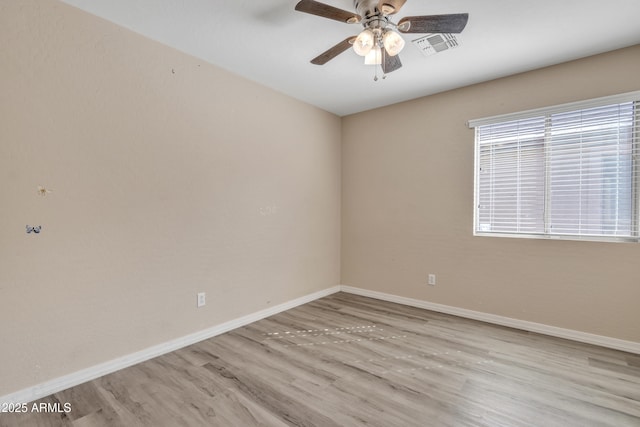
346 360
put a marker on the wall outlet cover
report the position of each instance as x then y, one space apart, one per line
202 299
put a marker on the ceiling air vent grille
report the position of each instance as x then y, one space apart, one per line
431 44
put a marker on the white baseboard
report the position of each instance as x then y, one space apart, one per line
62 383
614 343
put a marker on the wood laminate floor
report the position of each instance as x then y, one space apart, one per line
346 360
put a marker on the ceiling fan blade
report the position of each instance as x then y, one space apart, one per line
336 50
453 23
390 7
326 11
390 63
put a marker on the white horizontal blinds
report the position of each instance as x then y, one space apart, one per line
560 173
511 176
591 172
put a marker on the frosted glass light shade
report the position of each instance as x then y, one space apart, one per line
364 43
374 57
393 42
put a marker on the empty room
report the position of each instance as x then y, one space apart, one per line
400 213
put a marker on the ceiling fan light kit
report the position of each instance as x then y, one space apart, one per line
369 40
364 42
374 57
393 42
380 41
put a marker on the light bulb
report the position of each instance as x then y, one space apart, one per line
364 42
374 57
393 42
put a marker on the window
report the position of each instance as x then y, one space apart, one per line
569 171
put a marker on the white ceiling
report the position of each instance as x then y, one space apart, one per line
267 41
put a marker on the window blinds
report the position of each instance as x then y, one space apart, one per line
563 172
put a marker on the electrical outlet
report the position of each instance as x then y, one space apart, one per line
432 279
202 299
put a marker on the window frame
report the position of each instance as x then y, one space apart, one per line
546 111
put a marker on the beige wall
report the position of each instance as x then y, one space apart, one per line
172 177
407 209
169 177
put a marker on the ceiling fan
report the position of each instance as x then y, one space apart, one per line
380 41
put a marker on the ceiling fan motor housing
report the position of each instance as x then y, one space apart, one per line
373 18
366 8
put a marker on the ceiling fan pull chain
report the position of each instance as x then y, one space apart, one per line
375 77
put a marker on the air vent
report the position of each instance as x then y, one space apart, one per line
436 43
